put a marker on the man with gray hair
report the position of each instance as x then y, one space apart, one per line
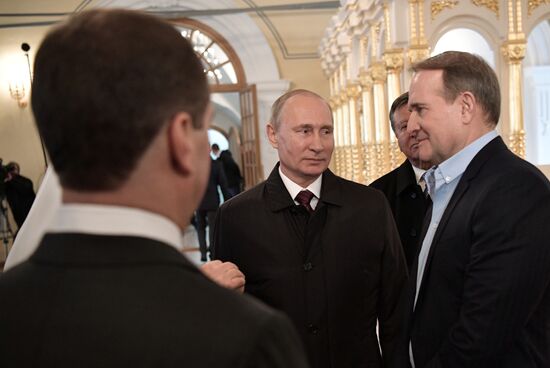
320 248
479 294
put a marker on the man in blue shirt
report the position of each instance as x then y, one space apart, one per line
479 293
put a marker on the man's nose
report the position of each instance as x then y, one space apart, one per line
412 125
316 143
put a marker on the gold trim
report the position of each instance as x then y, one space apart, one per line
514 50
418 53
378 72
365 79
533 4
438 6
489 4
517 143
394 59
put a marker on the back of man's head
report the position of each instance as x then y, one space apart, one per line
463 72
105 83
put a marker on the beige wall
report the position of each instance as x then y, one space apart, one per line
19 140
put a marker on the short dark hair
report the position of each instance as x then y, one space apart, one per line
397 103
105 83
463 72
278 105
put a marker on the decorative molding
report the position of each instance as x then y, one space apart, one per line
438 6
514 51
353 90
533 4
418 53
378 72
394 59
489 4
365 79
517 143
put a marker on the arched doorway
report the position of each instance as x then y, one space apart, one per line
230 92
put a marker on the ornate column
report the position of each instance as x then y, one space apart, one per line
418 49
368 136
333 102
354 92
394 65
345 124
382 162
513 50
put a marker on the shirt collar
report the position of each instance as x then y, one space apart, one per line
454 167
294 189
115 220
418 172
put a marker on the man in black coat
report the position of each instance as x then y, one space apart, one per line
19 193
205 216
479 294
125 120
403 186
232 172
331 258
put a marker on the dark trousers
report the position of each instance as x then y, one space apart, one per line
204 218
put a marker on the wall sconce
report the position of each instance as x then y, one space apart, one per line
18 93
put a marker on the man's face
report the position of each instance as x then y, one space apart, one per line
304 139
435 123
407 144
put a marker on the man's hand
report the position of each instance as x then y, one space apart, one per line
225 274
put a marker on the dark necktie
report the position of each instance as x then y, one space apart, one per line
303 198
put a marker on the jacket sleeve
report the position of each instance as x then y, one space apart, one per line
394 277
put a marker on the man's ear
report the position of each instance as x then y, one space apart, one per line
180 142
468 105
272 135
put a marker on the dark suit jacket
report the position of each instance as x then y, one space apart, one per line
484 300
334 281
116 301
211 199
408 206
20 196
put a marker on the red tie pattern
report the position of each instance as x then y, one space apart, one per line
303 198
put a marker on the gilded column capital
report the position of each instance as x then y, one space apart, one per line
378 72
343 97
514 50
418 53
365 79
353 90
394 59
333 102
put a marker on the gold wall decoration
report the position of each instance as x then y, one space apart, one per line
438 6
489 4
514 51
517 143
533 4
394 59
418 53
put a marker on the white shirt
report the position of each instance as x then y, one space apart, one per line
294 189
418 172
115 220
